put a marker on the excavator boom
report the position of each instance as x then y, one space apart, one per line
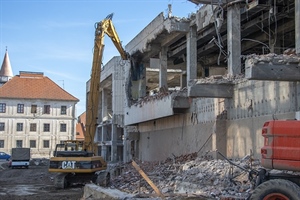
104 27
76 161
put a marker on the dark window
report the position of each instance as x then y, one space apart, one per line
77 133
20 108
32 127
33 108
46 127
19 143
19 126
63 127
32 144
46 144
2 107
63 110
1 143
2 126
46 109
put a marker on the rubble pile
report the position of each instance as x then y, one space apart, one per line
220 79
163 93
288 57
189 175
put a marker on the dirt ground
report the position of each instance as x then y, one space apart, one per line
34 183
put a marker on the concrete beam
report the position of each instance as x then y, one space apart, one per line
274 73
211 90
155 107
273 67
181 102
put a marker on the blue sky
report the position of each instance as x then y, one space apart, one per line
56 37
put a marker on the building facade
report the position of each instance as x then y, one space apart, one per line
205 83
36 113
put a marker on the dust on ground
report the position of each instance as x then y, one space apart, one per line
34 183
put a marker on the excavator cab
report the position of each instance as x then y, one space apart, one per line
71 148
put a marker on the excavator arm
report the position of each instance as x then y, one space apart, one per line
101 28
75 161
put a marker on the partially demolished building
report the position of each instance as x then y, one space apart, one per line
202 83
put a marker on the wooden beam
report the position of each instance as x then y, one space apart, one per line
142 173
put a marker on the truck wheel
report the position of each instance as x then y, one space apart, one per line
276 189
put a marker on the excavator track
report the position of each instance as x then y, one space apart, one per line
103 178
60 181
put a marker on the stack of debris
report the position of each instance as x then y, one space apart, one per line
220 79
288 57
190 175
163 93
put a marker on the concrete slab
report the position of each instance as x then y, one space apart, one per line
92 192
140 43
155 107
96 192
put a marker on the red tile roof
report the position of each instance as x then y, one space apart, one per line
80 127
82 118
31 85
79 131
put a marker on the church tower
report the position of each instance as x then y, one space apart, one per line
6 71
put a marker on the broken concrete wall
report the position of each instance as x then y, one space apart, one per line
201 129
255 102
172 136
233 125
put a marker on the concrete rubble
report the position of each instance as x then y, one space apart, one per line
189 176
289 57
220 79
163 93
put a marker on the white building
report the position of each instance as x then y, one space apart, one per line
35 112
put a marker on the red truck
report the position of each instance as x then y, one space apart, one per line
281 151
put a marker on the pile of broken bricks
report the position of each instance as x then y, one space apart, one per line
189 176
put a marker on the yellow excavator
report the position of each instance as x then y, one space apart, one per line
77 162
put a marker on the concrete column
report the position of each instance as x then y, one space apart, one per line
104 115
104 104
234 39
114 138
183 81
191 51
163 67
126 146
297 25
103 138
